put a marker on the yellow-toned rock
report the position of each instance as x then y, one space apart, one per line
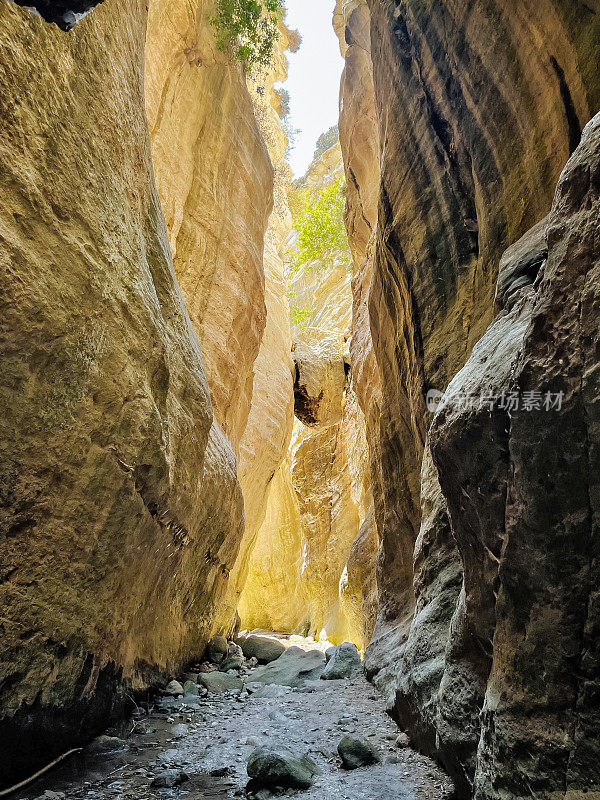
215 181
121 511
267 435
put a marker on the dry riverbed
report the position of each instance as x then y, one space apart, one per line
210 739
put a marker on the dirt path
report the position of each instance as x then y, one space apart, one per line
212 742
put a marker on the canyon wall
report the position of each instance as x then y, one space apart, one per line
121 510
479 106
216 194
302 573
268 432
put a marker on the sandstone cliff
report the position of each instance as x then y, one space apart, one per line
321 494
121 509
478 110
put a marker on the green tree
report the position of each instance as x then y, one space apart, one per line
319 223
326 140
248 29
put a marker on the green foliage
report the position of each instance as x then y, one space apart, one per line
247 29
299 316
326 140
319 223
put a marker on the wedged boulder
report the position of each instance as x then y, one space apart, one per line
293 668
218 682
271 769
356 753
217 649
342 663
263 648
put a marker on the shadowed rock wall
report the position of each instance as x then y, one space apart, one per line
479 106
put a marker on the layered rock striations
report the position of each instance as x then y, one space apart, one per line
359 141
267 435
216 194
121 510
479 107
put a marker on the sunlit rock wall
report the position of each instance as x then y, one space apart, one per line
121 512
321 495
215 182
359 140
268 432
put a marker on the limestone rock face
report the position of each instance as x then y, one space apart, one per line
521 490
268 431
121 511
359 141
476 117
216 195
299 578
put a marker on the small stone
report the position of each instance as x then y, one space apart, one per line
169 778
179 731
173 689
235 663
402 740
355 753
234 651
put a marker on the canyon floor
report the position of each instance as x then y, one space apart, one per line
211 739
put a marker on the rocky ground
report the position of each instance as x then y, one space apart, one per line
203 744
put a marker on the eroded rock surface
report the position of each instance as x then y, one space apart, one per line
216 195
121 510
476 121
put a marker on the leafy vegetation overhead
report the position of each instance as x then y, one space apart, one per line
319 223
248 29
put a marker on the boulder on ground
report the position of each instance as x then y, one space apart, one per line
217 649
355 753
173 689
293 668
270 769
342 663
235 662
190 687
217 682
262 648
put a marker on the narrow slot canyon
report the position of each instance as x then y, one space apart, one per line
300 445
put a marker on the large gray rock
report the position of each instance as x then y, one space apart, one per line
217 682
272 769
293 668
355 753
262 648
173 688
343 662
